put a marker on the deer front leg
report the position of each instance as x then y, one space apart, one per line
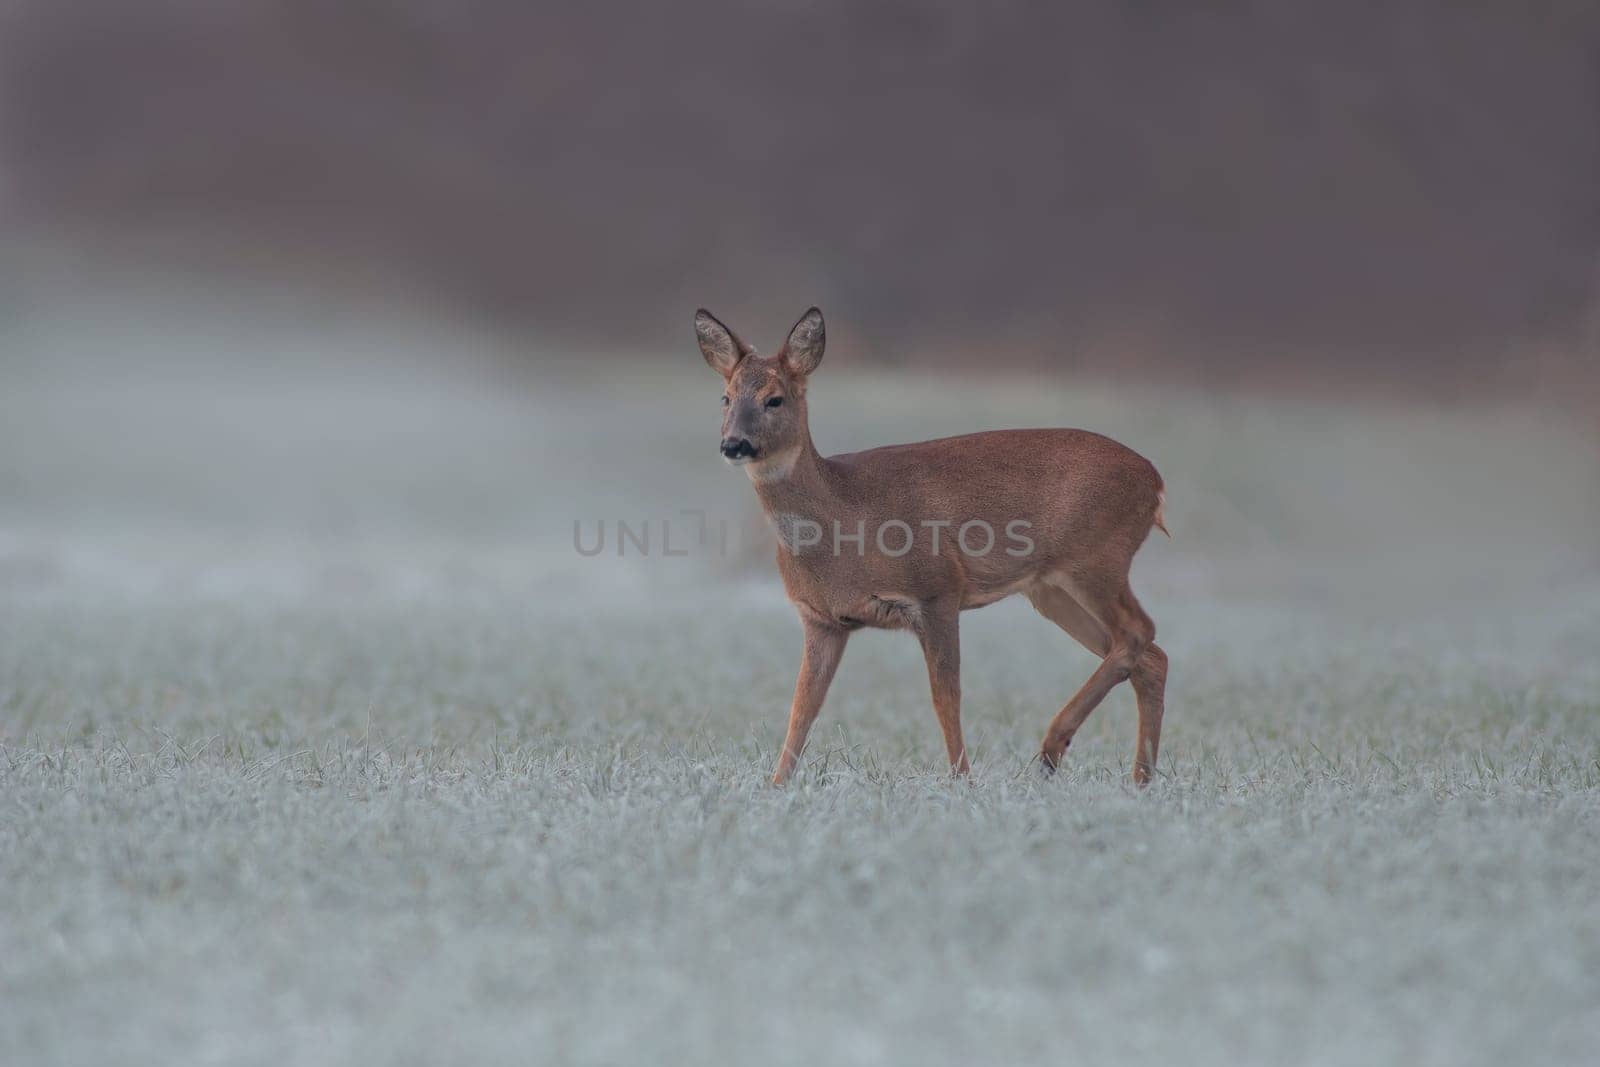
940 633
824 646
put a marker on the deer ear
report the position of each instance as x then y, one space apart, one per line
720 345
803 350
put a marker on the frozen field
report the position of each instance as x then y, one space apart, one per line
320 744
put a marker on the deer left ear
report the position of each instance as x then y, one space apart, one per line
803 350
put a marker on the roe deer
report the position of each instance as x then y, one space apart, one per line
894 538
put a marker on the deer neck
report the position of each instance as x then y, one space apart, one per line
794 482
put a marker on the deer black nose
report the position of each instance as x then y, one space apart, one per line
734 447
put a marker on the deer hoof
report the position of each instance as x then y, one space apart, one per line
1049 763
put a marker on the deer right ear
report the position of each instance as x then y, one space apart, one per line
720 345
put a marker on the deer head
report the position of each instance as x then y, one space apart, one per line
763 398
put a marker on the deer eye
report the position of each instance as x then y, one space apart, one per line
724 401
774 401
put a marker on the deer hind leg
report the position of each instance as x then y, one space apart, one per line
1057 605
1150 689
1110 623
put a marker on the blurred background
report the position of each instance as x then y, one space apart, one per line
323 323
295 278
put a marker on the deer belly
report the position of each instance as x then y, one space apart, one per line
983 596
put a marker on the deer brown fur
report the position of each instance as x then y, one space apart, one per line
1065 512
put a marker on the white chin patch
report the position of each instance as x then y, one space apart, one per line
774 468
737 461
